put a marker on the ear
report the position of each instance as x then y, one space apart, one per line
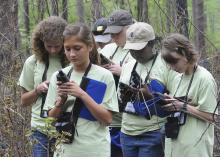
90 47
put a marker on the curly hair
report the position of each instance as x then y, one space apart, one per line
180 44
50 29
86 36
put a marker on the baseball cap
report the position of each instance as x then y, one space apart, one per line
98 30
138 35
117 20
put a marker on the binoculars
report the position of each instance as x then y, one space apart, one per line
61 76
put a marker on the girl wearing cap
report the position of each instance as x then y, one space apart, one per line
92 138
48 56
195 92
141 136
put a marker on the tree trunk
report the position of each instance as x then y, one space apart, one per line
199 22
182 17
65 10
10 64
145 11
26 24
80 10
142 8
96 9
171 13
54 7
41 10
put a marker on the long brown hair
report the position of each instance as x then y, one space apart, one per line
180 44
50 29
85 35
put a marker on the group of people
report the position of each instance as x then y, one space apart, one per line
120 96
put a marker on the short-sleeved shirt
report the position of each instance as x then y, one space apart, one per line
30 77
196 137
93 137
119 56
134 124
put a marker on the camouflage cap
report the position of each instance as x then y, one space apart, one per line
118 20
98 31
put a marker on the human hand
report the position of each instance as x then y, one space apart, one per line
115 69
42 87
60 101
106 66
70 88
173 105
144 93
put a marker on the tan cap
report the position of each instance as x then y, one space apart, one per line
138 35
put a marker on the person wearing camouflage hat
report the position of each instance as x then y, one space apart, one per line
118 23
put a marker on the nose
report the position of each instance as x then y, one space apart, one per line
72 53
53 50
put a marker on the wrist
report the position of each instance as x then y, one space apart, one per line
184 107
58 105
82 95
36 91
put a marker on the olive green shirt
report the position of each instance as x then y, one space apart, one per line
30 77
196 137
134 124
93 138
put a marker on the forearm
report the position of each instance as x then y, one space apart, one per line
98 111
199 114
28 98
56 111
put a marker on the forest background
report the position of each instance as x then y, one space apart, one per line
197 19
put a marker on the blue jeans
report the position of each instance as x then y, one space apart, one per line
41 145
115 142
149 144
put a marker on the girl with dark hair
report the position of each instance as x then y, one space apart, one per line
48 56
91 134
193 101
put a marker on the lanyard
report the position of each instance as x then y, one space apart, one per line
148 74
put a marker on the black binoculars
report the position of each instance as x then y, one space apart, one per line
61 76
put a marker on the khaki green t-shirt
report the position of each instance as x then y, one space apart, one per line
120 56
93 137
30 77
193 139
133 124
117 54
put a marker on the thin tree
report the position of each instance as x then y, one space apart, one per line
41 10
65 9
96 9
80 10
26 23
171 14
182 17
200 23
54 7
142 10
